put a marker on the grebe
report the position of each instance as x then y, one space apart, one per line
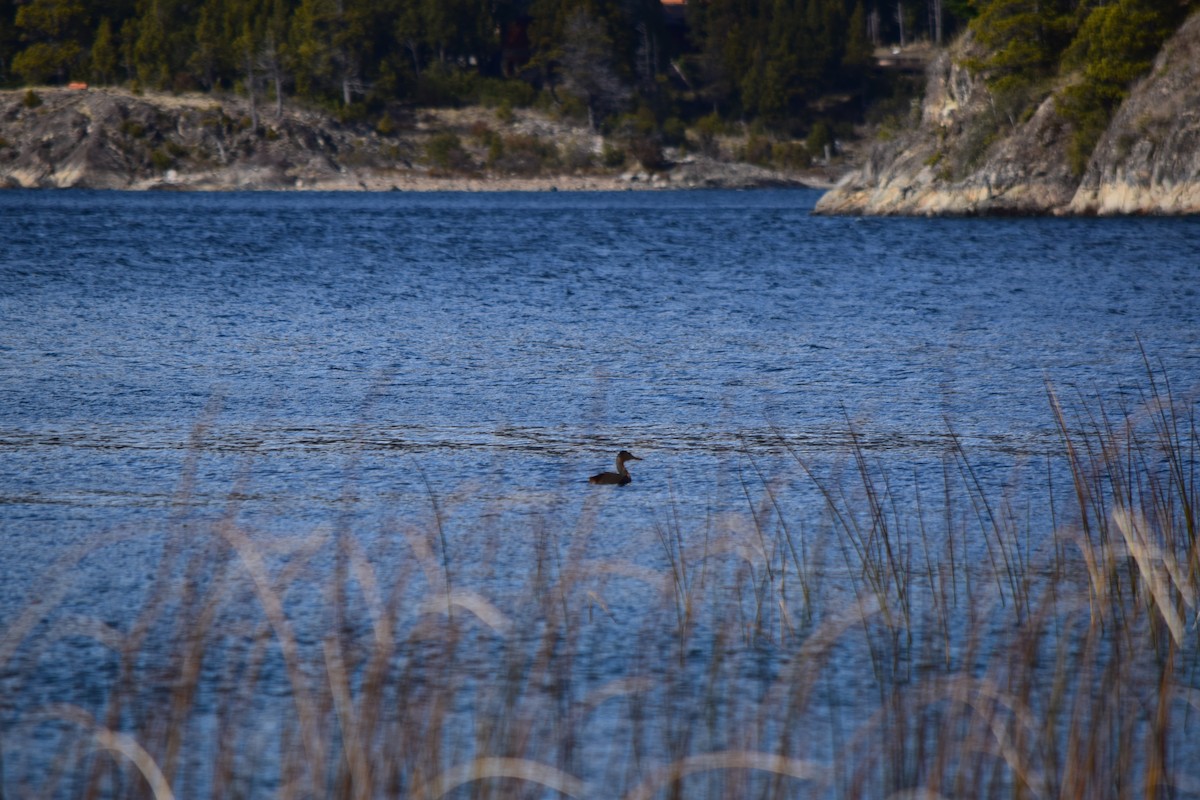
621 476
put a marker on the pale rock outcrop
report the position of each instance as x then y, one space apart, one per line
1148 161
962 156
950 163
112 139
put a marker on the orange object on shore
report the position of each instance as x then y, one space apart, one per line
77 85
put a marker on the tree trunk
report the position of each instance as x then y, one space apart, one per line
416 56
250 89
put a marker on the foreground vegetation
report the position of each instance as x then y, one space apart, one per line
972 643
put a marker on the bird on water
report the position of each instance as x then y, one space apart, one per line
621 476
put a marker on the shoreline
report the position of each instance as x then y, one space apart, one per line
109 138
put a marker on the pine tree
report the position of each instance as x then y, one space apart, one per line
273 55
246 46
8 37
150 48
55 30
104 54
210 55
1115 45
858 45
587 67
409 31
310 49
1023 40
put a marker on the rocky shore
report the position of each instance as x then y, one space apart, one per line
105 138
952 160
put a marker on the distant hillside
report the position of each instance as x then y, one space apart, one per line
635 68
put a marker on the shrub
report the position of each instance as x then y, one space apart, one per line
445 86
674 132
818 137
505 93
161 160
707 129
354 112
577 156
133 128
445 151
974 145
648 152
791 155
757 150
482 133
505 113
612 155
31 99
523 155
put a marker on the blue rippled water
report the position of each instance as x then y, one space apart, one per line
305 359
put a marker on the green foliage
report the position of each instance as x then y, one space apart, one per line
819 137
1117 42
708 128
504 93
612 155
757 150
858 52
1088 107
445 151
161 160
1023 40
149 50
588 69
522 154
1115 45
576 157
1104 48
505 113
639 123
55 31
104 54
133 128
674 132
31 99
791 155
647 150
752 60
442 85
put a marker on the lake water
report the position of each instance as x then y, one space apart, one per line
306 363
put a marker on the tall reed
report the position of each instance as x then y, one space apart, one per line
917 635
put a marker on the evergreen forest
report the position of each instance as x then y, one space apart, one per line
783 63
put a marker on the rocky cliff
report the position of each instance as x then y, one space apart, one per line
113 139
959 155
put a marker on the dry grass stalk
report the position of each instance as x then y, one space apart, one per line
888 645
